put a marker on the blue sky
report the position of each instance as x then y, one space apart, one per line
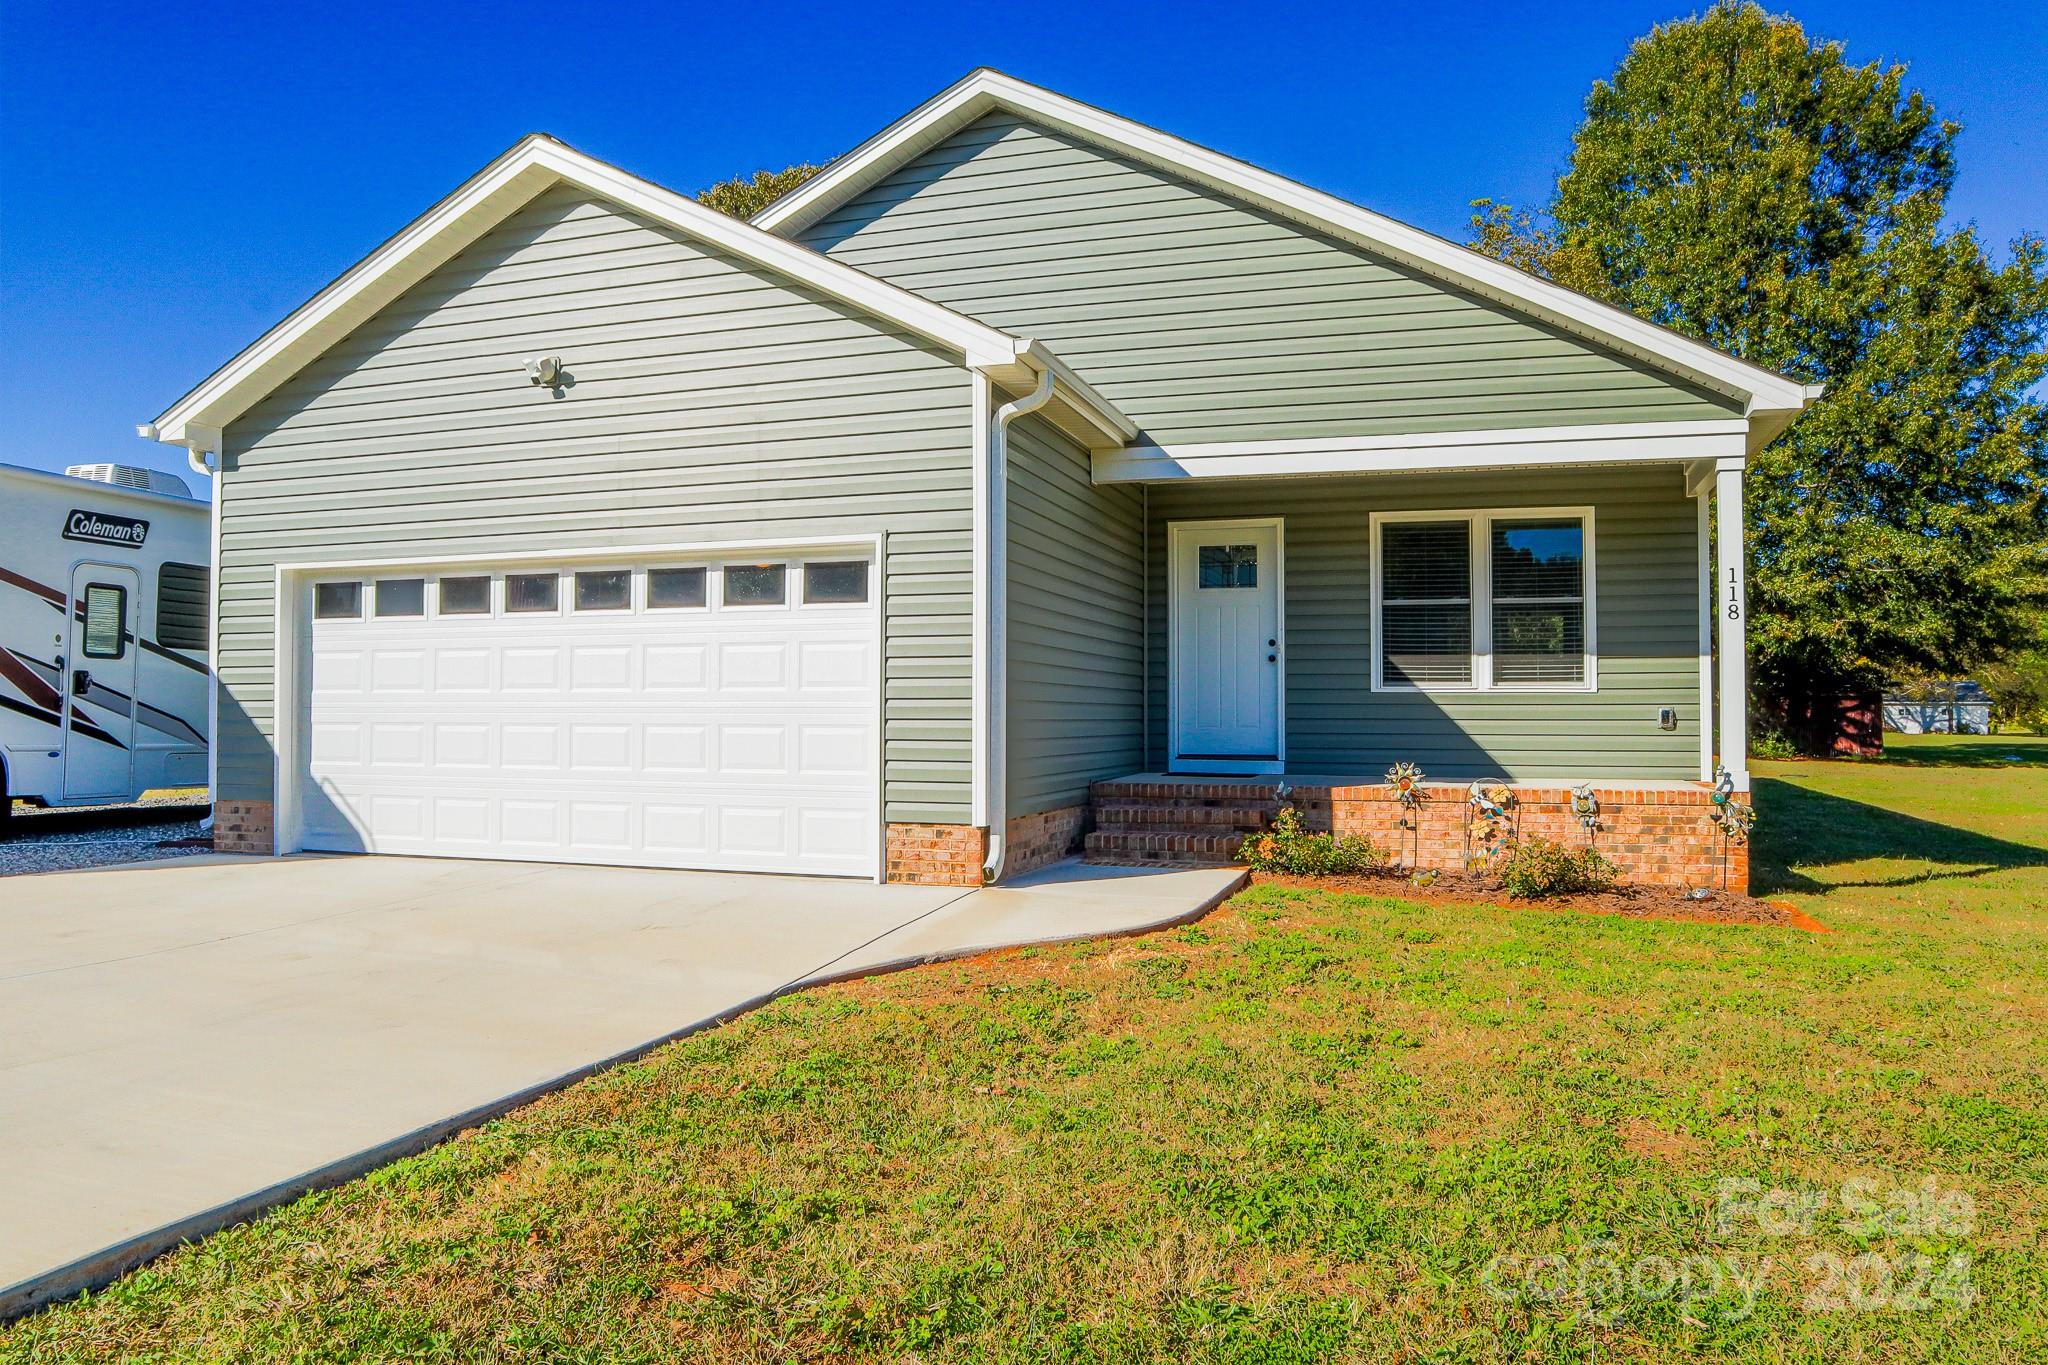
175 178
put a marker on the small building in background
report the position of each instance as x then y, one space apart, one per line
1950 706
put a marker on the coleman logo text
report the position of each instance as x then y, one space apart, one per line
104 529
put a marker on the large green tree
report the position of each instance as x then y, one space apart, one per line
1747 186
743 196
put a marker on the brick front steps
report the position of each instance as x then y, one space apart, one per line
1137 821
1658 833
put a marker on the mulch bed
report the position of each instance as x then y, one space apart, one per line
1639 902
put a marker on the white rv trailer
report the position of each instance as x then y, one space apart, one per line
105 602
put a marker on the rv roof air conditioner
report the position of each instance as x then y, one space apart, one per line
128 476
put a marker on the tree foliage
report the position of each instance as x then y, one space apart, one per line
744 196
2018 682
1749 187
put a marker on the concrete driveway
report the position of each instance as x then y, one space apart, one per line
184 1044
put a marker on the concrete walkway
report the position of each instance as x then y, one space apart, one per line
185 1044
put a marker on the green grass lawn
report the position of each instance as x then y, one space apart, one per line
1312 1126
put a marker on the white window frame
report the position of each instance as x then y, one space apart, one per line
1479 525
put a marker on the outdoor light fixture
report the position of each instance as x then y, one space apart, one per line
545 370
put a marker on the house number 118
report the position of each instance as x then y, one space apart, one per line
1734 596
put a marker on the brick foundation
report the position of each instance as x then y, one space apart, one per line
935 855
243 827
1035 841
1657 836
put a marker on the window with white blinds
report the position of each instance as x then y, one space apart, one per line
1426 603
1467 601
1539 601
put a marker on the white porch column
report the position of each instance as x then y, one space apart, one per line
1704 589
1732 611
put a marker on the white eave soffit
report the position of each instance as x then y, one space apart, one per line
538 162
984 91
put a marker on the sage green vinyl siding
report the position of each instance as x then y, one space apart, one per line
1076 623
1206 319
707 400
1647 604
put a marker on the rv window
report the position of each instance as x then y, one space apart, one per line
402 597
337 601
181 592
106 613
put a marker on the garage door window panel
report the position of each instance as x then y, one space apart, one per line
533 592
402 597
337 601
756 585
604 590
677 589
465 596
836 582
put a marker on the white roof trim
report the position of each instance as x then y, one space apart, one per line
536 163
1428 452
984 91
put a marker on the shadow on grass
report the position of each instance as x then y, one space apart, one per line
1981 751
1818 829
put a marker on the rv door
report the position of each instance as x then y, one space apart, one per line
98 678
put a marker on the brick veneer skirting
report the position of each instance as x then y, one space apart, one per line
243 827
1035 841
1657 836
935 855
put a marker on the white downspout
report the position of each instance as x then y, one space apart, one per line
995 584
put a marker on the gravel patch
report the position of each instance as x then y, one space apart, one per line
100 836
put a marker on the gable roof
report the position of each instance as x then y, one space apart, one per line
1770 400
538 162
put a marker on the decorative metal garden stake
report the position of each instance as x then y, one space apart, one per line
1404 780
1734 819
1586 807
1488 828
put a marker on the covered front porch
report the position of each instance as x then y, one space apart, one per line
1556 624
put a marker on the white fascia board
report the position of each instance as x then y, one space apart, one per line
984 91
1094 421
536 163
1432 452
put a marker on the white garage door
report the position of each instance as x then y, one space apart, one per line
676 714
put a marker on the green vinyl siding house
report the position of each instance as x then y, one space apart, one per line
1024 467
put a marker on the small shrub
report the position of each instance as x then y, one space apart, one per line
1537 867
1288 847
1774 744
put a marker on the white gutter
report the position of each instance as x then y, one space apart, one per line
995 586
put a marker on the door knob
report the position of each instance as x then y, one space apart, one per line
81 682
